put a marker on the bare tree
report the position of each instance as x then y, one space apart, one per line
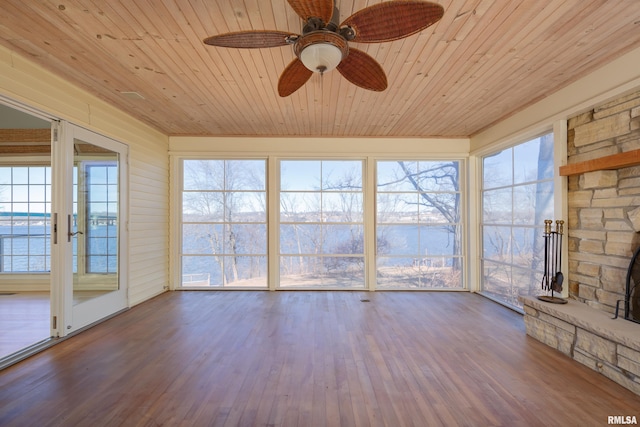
324 221
438 188
215 199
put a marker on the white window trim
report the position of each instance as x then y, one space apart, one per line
273 211
366 191
560 189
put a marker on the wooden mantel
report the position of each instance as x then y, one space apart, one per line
615 161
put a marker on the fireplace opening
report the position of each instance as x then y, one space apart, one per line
632 291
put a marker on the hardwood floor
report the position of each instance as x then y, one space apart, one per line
309 359
24 320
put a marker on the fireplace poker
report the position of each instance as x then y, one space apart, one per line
559 278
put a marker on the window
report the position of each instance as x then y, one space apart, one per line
25 218
517 196
321 224
100 215
320 232
418 228
224 223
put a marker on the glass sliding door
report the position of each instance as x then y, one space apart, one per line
90 231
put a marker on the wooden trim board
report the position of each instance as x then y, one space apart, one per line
614 161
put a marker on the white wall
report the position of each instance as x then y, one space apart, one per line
29 84
326 147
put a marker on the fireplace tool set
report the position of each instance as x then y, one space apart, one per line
552 278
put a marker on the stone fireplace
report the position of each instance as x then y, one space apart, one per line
603 229
604 205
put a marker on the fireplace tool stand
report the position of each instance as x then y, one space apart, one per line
552 278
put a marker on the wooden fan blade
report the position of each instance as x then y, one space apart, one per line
393 20
293 77
306 9
249 39
362 70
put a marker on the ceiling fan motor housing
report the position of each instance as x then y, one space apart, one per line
321 50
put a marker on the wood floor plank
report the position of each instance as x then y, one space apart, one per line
308 359
24 320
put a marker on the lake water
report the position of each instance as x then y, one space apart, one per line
27 248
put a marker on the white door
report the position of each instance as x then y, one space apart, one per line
89 259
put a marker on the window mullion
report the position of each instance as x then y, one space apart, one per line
273 218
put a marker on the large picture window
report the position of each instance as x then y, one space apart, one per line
418 228
25 219
321 224
517 196
224 223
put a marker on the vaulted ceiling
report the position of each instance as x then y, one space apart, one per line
483 61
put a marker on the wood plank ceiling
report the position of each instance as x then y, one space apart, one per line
485 60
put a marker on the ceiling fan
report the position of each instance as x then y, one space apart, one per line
324 45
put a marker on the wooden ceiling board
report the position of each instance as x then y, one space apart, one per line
548 78
446 56
482 62
484 66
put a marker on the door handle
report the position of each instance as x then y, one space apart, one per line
70 233
55 229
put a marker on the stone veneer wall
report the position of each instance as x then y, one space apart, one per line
603 231
604 206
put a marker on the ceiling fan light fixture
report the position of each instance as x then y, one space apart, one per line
321 51
321 57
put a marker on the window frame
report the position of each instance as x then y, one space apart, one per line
18 162
178 214
273 193
461 254
321 192
82 208
558 187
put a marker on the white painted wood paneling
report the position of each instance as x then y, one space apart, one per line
28 83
